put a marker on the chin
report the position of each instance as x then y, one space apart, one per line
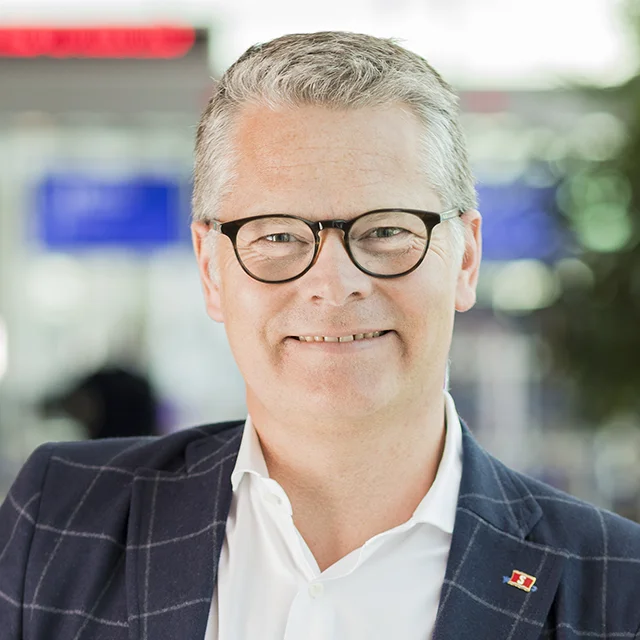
344 401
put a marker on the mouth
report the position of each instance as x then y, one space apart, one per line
354 337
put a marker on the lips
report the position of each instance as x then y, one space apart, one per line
353 337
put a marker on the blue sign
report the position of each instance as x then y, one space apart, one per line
75 211
518 223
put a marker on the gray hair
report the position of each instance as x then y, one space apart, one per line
340 71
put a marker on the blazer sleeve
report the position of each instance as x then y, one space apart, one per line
18 517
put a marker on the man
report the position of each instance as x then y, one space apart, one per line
336 234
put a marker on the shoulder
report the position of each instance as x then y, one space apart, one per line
545 516
62 469
166 453
600 555
578 528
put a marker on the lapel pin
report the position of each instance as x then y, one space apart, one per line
520 580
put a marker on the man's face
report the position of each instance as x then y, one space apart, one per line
319 163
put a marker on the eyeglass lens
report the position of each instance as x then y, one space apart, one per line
384 243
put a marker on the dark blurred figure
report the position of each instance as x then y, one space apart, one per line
109 403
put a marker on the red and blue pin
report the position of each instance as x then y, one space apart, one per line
520 580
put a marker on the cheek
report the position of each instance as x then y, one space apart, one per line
250 310
430 311
236 287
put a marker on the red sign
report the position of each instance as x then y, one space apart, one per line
96 42
521 580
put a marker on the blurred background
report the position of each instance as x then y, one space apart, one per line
102 325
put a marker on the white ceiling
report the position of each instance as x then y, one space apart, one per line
474 43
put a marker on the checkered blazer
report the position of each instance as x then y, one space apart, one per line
120 540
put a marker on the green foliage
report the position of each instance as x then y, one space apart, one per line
593 328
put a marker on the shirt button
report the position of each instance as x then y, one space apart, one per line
316 589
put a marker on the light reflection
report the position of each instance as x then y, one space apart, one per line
604 227
57 285
523 286
598 136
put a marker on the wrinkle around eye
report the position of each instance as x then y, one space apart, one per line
439 249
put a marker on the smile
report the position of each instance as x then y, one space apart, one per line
347 338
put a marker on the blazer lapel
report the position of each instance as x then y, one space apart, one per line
176 530
496 512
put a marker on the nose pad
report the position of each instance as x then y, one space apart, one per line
327 233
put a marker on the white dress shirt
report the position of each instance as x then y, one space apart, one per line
269 586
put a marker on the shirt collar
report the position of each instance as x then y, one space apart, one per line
438 507
250 457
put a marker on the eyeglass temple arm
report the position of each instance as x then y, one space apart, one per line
451 213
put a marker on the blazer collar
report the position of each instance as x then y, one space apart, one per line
494 492
175 535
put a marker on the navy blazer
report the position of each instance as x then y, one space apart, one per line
120 540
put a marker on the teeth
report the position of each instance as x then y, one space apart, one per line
357 336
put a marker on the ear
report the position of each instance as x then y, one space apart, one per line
210 288
470 267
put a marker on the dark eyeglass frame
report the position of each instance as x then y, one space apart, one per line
429 218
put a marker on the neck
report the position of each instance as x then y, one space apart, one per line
348 482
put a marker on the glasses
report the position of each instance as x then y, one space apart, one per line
385 243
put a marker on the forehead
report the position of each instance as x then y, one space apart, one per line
320 159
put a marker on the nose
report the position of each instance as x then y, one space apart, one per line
334 279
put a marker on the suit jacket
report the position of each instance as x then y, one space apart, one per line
120 540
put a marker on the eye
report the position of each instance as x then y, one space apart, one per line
385 232
279 238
